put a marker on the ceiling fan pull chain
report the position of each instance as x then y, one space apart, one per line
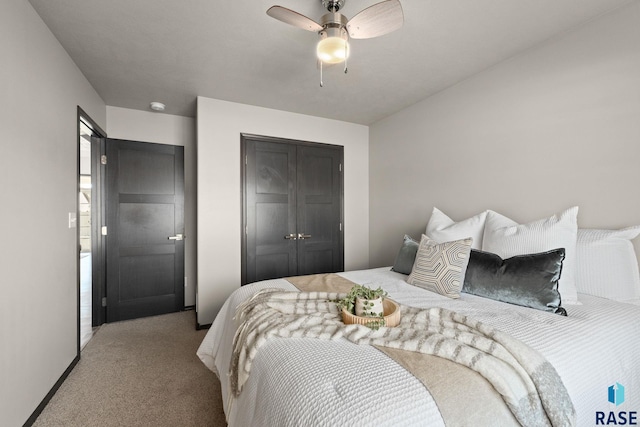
345 57
321 83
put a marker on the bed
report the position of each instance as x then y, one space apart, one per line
594 349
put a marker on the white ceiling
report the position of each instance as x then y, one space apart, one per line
137 51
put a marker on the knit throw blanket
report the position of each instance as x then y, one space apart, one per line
528 384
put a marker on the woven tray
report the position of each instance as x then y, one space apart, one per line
391 315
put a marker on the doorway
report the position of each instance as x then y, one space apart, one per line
135 205
292 208
90 276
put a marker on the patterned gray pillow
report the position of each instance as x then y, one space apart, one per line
440 267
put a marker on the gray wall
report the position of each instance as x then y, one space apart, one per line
40 91
556 126
147 126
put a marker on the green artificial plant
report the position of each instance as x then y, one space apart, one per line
363 292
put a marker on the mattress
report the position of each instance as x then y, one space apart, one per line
312 382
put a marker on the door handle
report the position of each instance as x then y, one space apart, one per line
302 236
291 237
177 237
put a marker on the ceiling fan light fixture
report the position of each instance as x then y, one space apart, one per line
333 50
333 47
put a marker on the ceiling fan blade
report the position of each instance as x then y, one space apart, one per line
293 18
377 20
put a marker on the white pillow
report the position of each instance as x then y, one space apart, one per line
442 229
507 238
607 265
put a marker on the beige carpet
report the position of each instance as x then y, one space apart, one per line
141 372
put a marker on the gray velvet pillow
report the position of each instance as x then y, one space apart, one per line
406 256
526 280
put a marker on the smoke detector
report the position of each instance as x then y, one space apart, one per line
157 106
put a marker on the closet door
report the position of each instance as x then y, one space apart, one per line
319 209
270 206
292 208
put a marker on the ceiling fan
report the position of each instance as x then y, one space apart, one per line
335 30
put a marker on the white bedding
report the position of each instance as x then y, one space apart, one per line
315 383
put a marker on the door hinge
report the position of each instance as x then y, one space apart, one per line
246 160
340 167
103 230
103 159
104 301
340 226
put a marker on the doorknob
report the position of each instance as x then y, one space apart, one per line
302 236
291 237
177 237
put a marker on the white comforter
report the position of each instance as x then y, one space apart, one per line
308 382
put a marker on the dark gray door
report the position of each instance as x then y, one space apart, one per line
292 205
145 224
319 207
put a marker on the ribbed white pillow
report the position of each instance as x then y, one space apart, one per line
507 238
607 265
442 229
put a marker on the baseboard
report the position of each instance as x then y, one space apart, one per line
189 307
205 326
34 416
